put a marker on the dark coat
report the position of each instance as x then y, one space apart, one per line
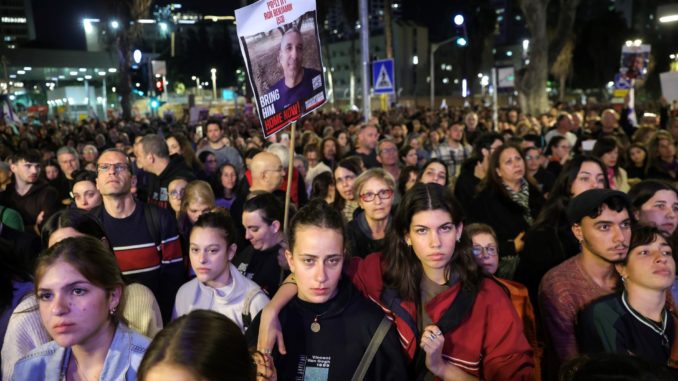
505 216
545 248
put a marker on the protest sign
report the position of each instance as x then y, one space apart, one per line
280 44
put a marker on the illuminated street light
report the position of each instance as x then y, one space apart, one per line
415 60
87 24
115 24
136 55
214 83
458 20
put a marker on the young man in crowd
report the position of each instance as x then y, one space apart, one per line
31 196
601 221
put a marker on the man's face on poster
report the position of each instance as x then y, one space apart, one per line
638 63
291 57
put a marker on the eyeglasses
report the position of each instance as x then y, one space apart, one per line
383 194
532 157
177 194
117 168
490 251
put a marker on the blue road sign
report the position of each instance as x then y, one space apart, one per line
383 81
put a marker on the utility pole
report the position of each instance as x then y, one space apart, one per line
365 53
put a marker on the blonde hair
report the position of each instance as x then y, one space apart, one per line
197 191
373 173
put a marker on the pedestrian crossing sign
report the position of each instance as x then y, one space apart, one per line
383 81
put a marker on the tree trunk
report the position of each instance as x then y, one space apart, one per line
531 82
124 76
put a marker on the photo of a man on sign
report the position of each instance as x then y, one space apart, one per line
280 43
298 82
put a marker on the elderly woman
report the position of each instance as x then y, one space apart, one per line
374 190
637 320
507 202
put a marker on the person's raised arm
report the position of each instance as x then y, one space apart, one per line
270 332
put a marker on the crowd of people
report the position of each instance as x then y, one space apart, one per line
420 244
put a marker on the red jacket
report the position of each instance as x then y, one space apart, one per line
489 344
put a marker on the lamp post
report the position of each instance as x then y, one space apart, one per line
214 84
434 48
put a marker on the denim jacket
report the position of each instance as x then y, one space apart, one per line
49 362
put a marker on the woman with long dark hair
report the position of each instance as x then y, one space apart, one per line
607 150
345 173
550 240
430 284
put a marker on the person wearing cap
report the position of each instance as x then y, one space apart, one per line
601 221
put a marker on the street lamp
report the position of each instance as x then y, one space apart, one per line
667 13
115 24
458 20
214 83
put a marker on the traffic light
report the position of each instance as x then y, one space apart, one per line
139 78
159 86
461 41
155 103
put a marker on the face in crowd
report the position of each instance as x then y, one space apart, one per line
607 237
344 180
316 260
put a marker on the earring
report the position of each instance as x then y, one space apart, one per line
112 311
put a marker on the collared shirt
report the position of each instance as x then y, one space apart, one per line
49 362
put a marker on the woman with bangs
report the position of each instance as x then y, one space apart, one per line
429 283
638 320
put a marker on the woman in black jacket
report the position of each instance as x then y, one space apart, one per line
508 202
550 240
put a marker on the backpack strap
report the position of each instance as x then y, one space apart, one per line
153 223
392 301
451 318
246 315
371 350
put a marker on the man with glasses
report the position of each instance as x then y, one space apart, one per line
144 237
32 197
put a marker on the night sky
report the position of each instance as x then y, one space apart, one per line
58 23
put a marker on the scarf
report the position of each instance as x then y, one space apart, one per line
522 198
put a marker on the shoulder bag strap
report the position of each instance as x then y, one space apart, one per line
246 315
371 350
